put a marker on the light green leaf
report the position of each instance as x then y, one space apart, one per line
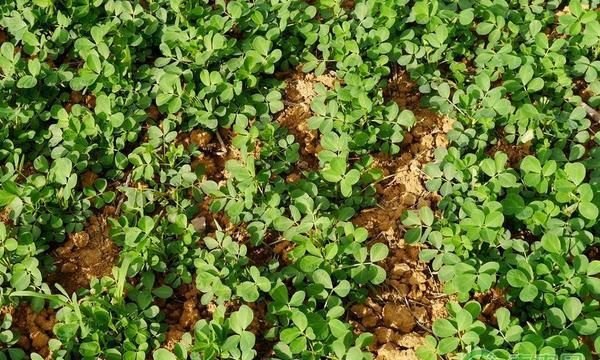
572 308
378 252
551 243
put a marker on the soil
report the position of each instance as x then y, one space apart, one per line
582 88
401 312
403 186
86 254
214 151
491 301
35 329
515 152
182 312
5 216
299 92
88 178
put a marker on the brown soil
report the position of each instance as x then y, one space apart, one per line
402 90
153 113
214 151
282 249
202 139
593 253
182 312
491 301
400 314
35 328
390 352
515 152
299 92
86 254
5 216
582 88
88 178
403 186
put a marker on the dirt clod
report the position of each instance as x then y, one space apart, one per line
199 223
391 352
398 317
201 138
182 313
86 254
35 328
88 178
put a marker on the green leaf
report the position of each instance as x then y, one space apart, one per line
572 308
516 278
174 105
531 164
513 204
466 18
93 62
335 170
443 328
309 263
528 293
503 318
234 9
426 352
525 74
6 197
593 268
586 327
241 319
89 349
464 319
551 243
321 276
163 292
261 45
338 328
20 280
588 210
494 220
378 252
34 66
556 317
575 172
354 353
163 354
26 82
426 216
535 85
60 170
300 320
247 291
447 345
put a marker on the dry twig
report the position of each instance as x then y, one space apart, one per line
591 113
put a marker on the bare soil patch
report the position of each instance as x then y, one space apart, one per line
401 312
87 254
35 329
299 92
182 312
